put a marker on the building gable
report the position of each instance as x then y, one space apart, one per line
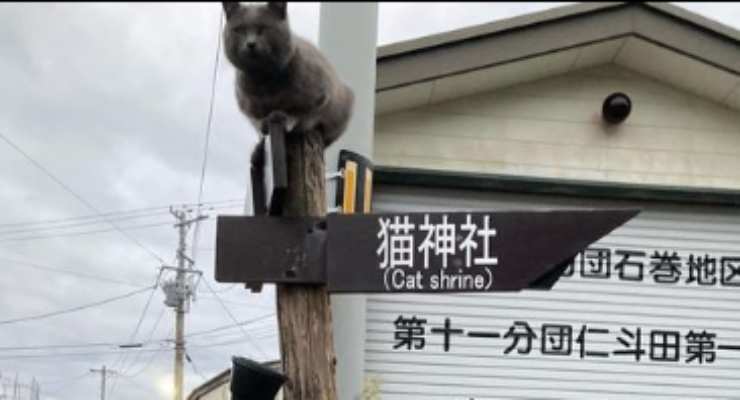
552 127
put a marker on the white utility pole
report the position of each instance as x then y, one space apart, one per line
355 63
178 293
103 374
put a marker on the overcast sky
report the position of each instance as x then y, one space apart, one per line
112 99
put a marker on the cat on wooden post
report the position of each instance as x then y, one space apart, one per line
281 77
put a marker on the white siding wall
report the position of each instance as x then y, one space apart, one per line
477 368
552 128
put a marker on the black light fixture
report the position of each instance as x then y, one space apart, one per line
616 108
251 380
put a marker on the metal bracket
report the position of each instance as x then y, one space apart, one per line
300 257
335 175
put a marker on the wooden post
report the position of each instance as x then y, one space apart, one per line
304 312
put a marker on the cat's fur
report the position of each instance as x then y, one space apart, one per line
282 76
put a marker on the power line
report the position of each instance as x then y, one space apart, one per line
70 272
76 224
121 358
112 213
231 326
149 362
196 230
59 346
192 364
78 197
210 110
83 233
82 217
226 343
149 338
154 355
67 380
226 309
73 309
65 383
143 313
95 353
148 341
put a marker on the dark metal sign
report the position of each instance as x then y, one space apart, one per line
410 252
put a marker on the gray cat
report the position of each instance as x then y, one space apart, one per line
282 77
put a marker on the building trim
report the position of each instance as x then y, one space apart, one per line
557 30
481 31
385 175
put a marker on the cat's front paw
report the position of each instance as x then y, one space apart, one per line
278 118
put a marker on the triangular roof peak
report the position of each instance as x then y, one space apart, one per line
659 40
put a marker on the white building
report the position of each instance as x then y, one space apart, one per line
508 115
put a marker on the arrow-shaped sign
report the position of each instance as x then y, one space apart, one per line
411 252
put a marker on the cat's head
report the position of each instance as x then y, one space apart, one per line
257 36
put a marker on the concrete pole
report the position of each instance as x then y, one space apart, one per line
348 37
180 309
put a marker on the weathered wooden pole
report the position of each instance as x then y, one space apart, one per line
304 311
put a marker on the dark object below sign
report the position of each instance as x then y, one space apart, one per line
253 381
269 173
410 252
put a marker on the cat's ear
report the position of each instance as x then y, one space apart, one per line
230 7
280 8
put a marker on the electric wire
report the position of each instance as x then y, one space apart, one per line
80 198
226 309
111 213
74 309
85 354
221 328
22 238
67 380
209 123
79 224
121 359
192 364
149 338
143 343
70 272
64 384
149 362
69 234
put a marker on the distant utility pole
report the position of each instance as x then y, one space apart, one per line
103 373
179 291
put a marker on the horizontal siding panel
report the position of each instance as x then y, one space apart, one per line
552 128
479 368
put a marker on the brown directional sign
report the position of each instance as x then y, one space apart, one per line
459 251
410 252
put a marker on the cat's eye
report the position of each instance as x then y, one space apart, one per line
241 29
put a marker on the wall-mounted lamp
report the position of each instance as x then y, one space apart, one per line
616 108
